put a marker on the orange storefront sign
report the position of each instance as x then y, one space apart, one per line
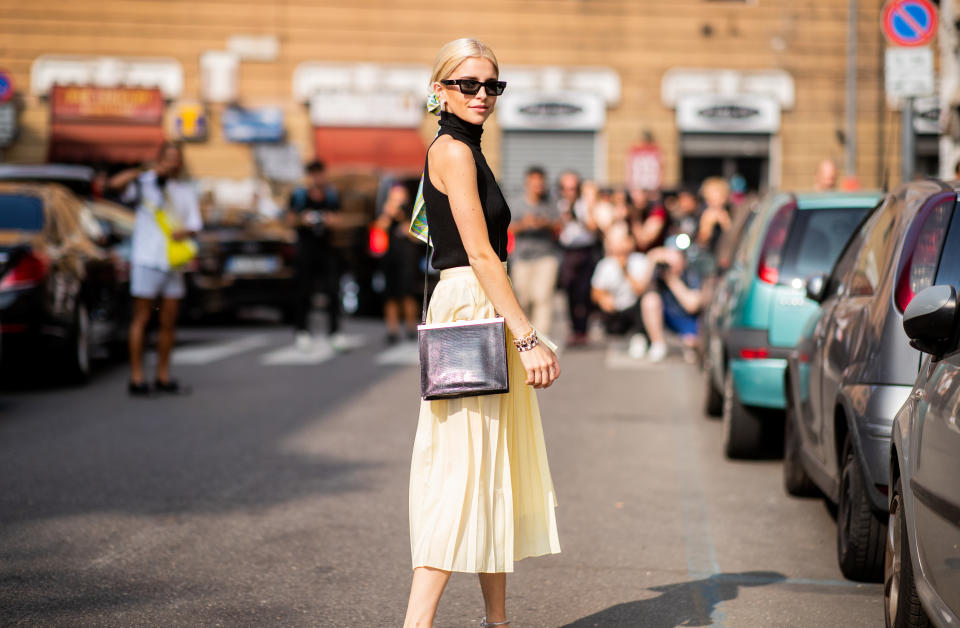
130 105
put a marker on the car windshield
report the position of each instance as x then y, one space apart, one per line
816 239
20 212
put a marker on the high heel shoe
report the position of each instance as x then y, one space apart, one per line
489 624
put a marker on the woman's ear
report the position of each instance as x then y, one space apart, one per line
438 90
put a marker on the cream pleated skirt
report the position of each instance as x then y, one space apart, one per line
481 496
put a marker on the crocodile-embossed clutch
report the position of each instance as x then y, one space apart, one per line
463 359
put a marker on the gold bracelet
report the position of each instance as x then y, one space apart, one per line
528 342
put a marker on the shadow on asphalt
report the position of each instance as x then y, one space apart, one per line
682 604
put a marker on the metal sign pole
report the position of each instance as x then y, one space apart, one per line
907 144
850 156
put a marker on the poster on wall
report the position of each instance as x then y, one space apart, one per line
190 122
263 124
644 167
8 123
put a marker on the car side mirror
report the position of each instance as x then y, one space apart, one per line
816 287
930 318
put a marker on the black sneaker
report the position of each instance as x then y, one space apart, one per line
138 390
392 339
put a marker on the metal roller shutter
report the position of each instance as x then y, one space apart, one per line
554 151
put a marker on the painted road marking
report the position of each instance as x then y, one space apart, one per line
401 354
320 351
216 351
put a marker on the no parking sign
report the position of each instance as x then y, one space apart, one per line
909 22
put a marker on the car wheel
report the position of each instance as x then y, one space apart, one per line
77 348
795 478
742 428
861 533
713 400
901 604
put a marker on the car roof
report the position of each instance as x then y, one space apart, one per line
837 200
45 172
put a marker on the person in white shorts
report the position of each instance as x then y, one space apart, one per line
151 277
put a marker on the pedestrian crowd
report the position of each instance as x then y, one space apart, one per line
636 261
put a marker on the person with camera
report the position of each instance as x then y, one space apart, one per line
160 188
618 282
314 212
674 302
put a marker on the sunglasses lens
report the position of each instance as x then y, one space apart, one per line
494 88
469 86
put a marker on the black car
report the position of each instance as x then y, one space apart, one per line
62 295
242 260
854 367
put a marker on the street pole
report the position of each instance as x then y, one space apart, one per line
947 37
850 146
907 145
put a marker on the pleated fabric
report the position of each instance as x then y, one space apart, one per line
481 496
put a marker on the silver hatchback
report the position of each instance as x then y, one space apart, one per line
922 563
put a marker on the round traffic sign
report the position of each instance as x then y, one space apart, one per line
6 86
910 22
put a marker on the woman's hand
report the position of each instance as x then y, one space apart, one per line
542 366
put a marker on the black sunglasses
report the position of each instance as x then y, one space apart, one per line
470 87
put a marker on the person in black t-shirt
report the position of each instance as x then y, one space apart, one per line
314 211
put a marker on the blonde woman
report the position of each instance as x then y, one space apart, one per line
481 496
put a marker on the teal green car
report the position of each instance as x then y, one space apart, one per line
760 306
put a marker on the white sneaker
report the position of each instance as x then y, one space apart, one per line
657 352
340 341
304 341
637 347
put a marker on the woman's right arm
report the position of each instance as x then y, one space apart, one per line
452 166
120 181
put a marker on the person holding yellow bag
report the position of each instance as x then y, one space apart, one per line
167 218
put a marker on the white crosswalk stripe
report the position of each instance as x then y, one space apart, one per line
216 351
402 354
319 351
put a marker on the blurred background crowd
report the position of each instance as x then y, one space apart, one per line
632 141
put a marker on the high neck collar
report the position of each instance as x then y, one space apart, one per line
460 129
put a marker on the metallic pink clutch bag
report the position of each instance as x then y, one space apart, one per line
463 359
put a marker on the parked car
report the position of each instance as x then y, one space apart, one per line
922 561
242 260
759 308
854 367
61 294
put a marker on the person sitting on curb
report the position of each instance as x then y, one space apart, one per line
618 282
674 303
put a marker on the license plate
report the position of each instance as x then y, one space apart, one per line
253 264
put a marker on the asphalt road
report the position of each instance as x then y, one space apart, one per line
276 495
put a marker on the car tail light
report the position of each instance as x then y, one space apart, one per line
28 270
921 248
768 270
755 354
288 252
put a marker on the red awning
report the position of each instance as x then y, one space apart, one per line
104 142
392 149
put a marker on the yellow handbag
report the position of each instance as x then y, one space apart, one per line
179 252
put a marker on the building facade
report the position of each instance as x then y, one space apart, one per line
618 90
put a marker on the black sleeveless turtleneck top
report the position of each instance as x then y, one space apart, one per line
448 251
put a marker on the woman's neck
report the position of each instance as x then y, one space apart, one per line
459 128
